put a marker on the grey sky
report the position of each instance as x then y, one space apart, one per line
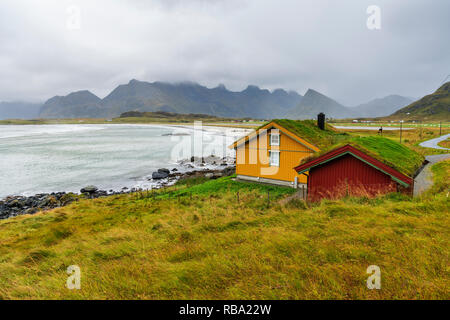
292 44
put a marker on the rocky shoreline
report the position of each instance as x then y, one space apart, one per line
208 167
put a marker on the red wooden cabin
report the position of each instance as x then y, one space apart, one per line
349 171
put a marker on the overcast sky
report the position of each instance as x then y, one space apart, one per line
293 44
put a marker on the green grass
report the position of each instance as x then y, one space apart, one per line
441 173
197 241
226 185
396 155
308 130
392 153
386 124
410 138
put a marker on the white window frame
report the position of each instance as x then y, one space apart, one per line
274 163
275 133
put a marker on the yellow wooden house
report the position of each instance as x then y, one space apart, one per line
270 154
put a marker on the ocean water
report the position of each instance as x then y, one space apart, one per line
52 158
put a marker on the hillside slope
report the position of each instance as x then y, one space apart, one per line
80 104
435 106
200 242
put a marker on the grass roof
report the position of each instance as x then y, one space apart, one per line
389 152
308 130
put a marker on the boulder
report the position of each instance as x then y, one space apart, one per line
164 170
15 204
67 198
159 175
228 171
89 189
197 159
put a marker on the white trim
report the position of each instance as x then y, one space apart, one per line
269 181
276 163
275 133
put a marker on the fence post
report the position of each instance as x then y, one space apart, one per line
401 127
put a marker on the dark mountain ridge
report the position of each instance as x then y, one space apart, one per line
186 97
190 97
80 104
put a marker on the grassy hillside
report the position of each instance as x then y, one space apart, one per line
435 106
197 241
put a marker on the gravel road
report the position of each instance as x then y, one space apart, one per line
433 143
424 180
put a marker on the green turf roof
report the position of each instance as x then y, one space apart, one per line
389 152
308 130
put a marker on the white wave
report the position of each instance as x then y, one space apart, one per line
16 131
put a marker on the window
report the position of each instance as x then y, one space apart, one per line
274 138
274 158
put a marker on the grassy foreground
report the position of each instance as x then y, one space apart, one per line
196 241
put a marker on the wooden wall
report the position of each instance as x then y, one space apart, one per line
252 158
348 175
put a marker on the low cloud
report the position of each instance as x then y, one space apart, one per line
292 44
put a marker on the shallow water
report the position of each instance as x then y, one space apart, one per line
49 158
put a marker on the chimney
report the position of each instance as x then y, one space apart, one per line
321 121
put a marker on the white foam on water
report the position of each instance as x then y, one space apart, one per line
16 131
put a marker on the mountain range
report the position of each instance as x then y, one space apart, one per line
180 98
189 97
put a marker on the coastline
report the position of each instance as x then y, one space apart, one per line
45 160
210 167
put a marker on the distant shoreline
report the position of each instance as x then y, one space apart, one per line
140 120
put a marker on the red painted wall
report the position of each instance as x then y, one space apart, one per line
347 175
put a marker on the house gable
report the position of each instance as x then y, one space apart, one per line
267 128
348 149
